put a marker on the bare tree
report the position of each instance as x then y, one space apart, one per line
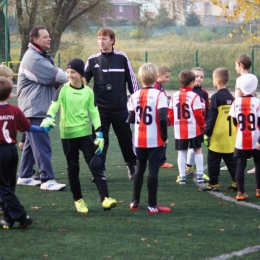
56 15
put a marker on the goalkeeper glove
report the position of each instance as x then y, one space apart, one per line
47 122
46 128
99 141
206 140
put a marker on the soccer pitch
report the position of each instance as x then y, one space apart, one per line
202 225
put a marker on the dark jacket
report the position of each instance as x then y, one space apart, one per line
112 69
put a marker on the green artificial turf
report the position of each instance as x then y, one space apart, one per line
200 225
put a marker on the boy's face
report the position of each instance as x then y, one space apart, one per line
162 78
215 82
199 78
238 67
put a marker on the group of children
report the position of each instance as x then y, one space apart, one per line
189 112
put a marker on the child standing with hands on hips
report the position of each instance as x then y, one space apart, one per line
185 112
75 99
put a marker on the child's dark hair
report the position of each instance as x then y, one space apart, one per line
6 86
222 74
245 60
186 77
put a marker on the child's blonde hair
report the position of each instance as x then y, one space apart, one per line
198 69
147 74
163 70
6 72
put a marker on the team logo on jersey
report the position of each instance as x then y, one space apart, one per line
229 102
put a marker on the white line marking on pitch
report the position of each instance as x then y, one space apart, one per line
245 251
224 197
236 253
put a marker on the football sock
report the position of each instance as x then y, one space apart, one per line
190 157
182 162
199 163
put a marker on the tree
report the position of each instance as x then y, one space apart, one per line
56 16
249 10
192 20
162 19
175 11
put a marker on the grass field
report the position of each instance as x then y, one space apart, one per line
200 226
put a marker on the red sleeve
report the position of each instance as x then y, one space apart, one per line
199 118
171 115
23 123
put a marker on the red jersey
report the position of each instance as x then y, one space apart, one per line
246 110
12 120
185 112
145 103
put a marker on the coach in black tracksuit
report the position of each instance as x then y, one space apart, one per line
111 71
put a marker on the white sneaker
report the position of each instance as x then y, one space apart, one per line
252 171
52 185
28 182
224 168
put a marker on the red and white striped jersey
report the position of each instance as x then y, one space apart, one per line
185 112
246 110
145 103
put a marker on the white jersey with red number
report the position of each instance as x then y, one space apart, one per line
183 105
246 110
145 103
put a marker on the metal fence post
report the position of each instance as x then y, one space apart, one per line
59 60
6 34
253 61
146 56
197 58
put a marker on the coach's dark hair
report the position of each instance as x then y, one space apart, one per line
245 60
222 74
6 86
186 77
106 31
34 33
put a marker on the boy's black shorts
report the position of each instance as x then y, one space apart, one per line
247 154
183 144
149 153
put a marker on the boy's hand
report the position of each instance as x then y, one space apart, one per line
99 141
206 140
48 122
257 146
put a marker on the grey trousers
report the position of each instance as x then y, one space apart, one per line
37 149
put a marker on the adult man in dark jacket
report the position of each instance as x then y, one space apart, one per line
37 78
111 70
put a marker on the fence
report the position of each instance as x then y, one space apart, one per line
4 32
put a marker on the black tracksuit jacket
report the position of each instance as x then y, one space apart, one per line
115 69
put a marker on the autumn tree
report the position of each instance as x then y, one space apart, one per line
248 10
56 16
